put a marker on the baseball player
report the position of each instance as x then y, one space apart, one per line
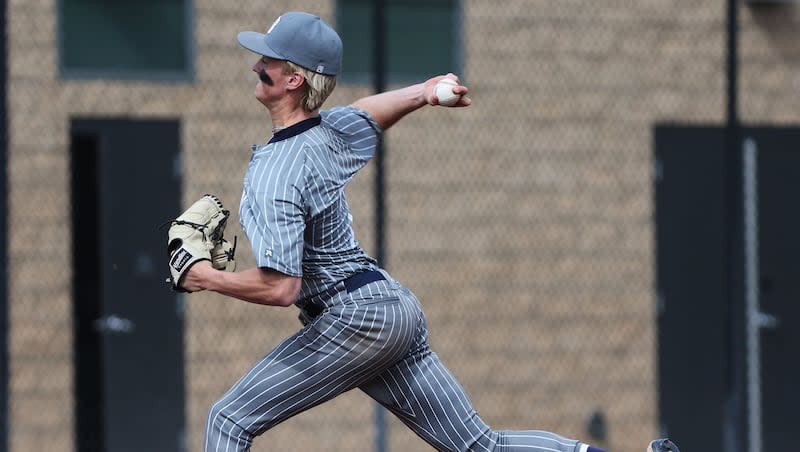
362 329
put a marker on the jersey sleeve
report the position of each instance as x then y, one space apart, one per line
355 127
272 212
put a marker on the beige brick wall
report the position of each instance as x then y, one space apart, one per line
524 223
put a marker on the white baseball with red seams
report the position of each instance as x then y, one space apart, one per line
444 91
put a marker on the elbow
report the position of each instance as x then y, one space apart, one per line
277 289
286 294
284 300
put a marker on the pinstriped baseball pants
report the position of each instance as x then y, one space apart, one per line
374 339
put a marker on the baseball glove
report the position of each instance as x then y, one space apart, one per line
196 235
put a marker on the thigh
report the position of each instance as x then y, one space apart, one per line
423 393
331 355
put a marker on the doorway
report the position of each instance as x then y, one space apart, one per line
127 323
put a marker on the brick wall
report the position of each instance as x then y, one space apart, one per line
523 223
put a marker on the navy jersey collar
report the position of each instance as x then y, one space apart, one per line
295 129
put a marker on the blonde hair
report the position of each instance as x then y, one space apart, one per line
317 87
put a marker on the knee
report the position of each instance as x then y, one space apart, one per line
223 424
485 442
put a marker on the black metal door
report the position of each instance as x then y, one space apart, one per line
691 281
129 325
694 354
778 157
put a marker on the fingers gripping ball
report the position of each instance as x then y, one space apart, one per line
444 91
194 235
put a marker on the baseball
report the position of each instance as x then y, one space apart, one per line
444 91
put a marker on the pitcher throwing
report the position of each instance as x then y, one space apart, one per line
362 329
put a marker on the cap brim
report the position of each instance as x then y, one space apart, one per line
254 42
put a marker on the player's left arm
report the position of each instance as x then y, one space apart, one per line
256 285
389 107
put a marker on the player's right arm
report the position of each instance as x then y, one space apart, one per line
389 107
256 285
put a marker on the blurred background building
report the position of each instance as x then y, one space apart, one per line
528 224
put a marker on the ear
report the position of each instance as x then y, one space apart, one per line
295 80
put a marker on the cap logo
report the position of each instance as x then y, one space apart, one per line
273 25
320 68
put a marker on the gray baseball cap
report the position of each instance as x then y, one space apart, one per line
302 38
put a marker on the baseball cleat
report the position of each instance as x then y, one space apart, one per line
662 445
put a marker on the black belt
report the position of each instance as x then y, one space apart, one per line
360 280
351 284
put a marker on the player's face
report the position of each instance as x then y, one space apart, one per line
270 75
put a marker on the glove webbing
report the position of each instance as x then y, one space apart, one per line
230 253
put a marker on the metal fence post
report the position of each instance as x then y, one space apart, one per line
379 85
734 428
3 238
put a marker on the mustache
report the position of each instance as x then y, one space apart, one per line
264 77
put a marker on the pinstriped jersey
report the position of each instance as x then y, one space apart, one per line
293 207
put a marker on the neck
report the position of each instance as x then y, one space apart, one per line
280 122
284 115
